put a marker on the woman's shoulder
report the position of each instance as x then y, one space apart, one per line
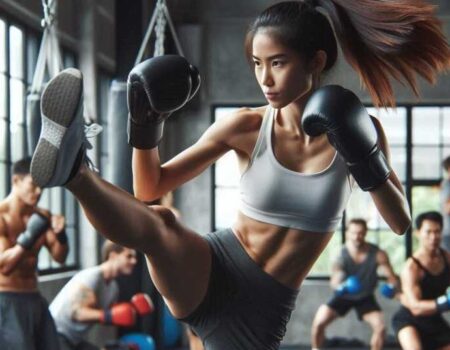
244 119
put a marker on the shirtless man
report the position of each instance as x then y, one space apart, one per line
26 323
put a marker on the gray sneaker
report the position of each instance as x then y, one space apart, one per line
62 143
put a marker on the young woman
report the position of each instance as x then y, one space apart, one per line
243 281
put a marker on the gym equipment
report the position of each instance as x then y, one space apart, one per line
171 328
49 57
351 285
138 341
117 115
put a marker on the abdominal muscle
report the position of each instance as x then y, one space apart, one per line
286 254
23 278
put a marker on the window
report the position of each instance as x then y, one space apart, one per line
226 180
419 138
4 134
430 145
18 56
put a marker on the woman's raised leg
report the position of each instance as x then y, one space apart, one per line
177 256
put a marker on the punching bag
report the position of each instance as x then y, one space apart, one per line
33 108
121 174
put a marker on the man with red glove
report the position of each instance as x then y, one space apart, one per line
91 296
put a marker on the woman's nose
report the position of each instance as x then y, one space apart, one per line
267 78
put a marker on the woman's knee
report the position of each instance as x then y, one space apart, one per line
166 215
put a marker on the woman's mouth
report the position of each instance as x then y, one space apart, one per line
270 95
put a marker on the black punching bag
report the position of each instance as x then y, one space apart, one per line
121 174
33 110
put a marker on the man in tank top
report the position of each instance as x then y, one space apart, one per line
419 323
354 279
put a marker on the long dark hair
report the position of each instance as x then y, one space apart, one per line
380 39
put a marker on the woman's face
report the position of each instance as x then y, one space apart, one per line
281 72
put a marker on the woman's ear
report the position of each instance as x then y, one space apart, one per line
318 62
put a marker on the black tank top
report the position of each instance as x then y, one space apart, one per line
433 286
366 271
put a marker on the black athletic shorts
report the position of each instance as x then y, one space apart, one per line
362 306
434 331
244 307
26 323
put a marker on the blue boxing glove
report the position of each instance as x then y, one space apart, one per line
351 285
443 302
157 87
388 290
37 225
340 114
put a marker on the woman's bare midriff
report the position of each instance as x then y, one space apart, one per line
284 253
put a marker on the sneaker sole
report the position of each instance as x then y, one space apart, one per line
60 103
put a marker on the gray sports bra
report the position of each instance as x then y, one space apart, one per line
271 193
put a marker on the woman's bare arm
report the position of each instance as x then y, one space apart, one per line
389 198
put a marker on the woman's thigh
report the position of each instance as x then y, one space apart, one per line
180 267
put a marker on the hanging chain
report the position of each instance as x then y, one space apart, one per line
160 29
49 13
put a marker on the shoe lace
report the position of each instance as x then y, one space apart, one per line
91 131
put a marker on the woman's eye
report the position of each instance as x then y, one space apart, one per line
277 63
256 63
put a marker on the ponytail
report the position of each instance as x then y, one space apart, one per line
389 39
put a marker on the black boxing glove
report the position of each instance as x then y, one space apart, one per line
156 88
350 130
37 225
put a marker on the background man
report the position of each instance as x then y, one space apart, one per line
24 230
90 297
354 279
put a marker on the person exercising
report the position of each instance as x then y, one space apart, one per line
354 279
91 297
24 230
419 323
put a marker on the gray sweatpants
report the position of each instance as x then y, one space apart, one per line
26 323
244 308
65 344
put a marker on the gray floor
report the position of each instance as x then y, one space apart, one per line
303 347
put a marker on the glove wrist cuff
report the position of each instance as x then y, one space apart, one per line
62 237
442 303
24 241
107 317
372 171
144 136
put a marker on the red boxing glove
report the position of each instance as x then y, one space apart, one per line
122 314
142 303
